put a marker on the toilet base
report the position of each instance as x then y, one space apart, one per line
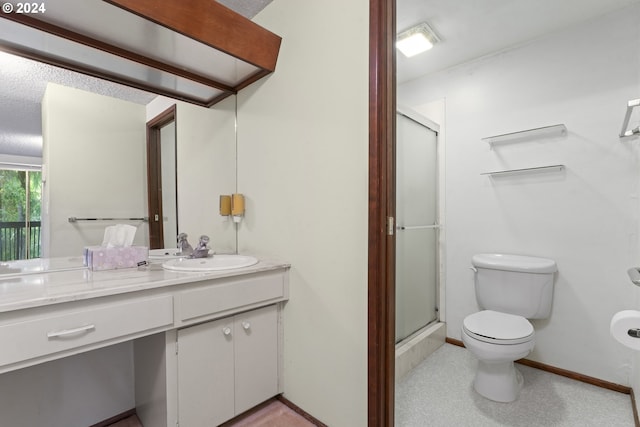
498 381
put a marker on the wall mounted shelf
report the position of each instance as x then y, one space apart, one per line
528 134
634 275
625 123
551 168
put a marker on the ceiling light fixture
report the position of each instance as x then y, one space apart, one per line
416 39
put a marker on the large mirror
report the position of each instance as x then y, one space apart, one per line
62 149
87 140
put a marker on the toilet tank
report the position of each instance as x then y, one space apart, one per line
514 284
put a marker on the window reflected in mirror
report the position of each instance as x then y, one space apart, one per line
20 197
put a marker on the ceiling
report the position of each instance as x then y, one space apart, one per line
470 29
246 8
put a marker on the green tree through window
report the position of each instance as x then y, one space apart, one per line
20 195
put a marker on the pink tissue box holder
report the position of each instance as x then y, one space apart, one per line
102 258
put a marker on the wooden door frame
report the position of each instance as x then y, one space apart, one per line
381 259
154 175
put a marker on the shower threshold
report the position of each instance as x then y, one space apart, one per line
418 346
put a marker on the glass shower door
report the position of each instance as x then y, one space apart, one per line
417 232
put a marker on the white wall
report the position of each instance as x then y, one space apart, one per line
586 217
76 391
94 158
303 166
206 169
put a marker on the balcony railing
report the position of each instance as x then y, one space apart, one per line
13 240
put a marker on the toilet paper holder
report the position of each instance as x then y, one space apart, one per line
634 275
634 333
625 328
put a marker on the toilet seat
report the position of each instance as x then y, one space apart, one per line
498 328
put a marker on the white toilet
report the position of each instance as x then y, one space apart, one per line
510 289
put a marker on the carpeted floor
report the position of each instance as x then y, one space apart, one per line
131 421
276 414
439 393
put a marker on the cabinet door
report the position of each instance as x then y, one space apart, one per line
205 374
256 357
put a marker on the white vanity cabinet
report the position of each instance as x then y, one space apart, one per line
206 346
41 334
227 366
223 356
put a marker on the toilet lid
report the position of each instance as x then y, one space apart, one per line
492 326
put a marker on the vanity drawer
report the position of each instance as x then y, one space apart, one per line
79 326
230 296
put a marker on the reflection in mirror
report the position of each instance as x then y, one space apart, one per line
161 179
94 161
168 180
88 138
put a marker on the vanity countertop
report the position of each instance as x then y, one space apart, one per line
73 283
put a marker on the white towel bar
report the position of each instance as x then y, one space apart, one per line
74 219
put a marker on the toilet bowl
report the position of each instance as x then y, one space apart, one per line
510 289
497 340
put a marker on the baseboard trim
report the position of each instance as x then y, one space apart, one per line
300 411
576 376
454 341
562 372
636 420
115 418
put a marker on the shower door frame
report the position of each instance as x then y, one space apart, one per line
438 226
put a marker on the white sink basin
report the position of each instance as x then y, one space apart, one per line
215 263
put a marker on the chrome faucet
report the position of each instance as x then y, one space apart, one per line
183 244
202 250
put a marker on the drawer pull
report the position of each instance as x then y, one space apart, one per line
68 332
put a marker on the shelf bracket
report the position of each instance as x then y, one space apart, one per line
624 132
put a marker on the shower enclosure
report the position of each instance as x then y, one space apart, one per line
417 224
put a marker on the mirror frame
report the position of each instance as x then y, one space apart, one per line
205 22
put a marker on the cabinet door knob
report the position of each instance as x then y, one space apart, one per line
246 326
226 331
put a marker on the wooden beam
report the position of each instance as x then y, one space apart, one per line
213 24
